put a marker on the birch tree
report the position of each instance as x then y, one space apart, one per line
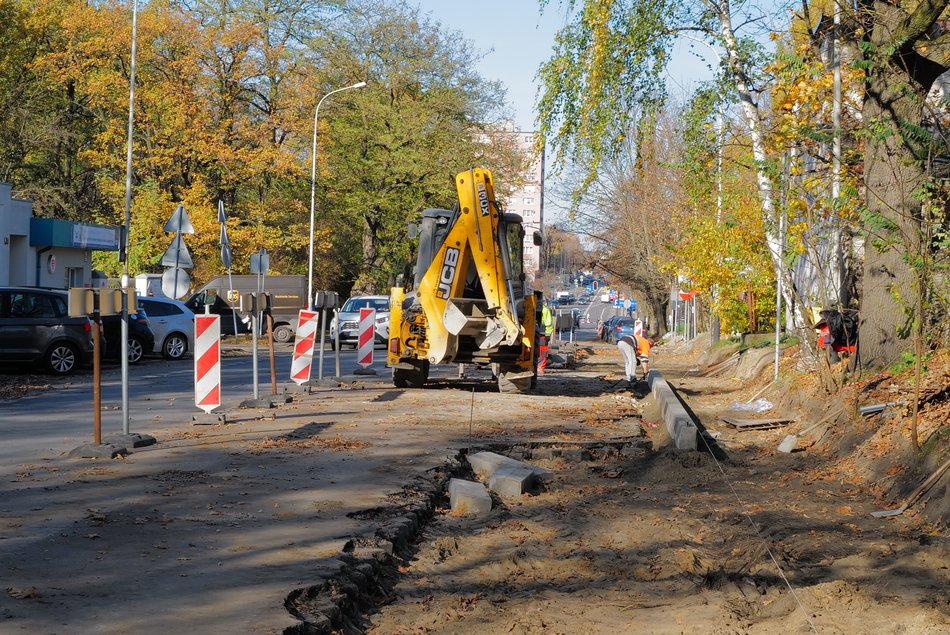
608 66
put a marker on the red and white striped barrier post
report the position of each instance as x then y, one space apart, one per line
638 328
303 346
367 336
207 362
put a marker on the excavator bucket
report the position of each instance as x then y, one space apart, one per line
469 317
464 317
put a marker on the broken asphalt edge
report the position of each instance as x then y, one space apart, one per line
362 575
363 572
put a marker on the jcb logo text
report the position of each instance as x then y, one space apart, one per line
449 264
483 199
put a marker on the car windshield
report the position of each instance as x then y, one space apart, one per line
355 304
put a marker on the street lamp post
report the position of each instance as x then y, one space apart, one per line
714 319
126 230
313 185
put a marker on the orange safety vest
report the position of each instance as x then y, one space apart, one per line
643 346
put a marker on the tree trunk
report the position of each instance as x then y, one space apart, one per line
656 309
753 117
368 280
893 171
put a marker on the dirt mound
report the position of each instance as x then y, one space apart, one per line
653 542
874 452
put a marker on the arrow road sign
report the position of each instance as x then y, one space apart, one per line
179 222
177 254
225 242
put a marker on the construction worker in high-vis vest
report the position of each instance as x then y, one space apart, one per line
547 326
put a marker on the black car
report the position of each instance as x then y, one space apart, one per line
604 326
35 329
141 338
230 318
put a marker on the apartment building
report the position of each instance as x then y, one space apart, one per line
528 200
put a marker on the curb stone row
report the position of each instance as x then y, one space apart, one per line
362 573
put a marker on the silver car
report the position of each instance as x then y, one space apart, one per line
173 324
349 317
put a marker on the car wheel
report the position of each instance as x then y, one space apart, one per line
332 345
62 358
136 349
175 346
283 334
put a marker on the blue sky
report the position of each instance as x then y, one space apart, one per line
517 38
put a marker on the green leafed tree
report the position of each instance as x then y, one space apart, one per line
606 74
225 97
388 151
45 124
906 48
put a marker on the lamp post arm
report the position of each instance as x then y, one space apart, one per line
719 128
313 184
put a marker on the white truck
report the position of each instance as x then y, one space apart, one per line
149 285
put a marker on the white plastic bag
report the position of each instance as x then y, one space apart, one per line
759 405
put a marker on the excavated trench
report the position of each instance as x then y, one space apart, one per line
371 566
628 538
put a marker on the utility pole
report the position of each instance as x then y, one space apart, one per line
839 274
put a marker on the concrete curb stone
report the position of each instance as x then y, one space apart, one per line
485 464
679 424
469 498
510 481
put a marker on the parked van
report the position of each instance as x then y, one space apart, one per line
149 285
288 296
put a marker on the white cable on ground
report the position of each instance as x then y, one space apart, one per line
768 549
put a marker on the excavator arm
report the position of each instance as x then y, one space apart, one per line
473 242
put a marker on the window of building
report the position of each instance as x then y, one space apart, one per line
529 200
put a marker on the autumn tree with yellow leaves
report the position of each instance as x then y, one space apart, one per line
225 95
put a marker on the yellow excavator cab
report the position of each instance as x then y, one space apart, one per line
469 303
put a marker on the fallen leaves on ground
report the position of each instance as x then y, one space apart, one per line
337 443
23 594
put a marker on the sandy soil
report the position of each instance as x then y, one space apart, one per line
211 529
653 540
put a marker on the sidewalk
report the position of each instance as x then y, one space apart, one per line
210 529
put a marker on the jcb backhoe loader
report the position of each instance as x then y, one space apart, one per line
469 303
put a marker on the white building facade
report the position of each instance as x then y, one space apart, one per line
47 252
528 200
